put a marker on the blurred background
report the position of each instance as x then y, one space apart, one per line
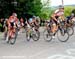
28 8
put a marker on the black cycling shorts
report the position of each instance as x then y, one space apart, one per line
12 24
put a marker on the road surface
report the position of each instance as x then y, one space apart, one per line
37 50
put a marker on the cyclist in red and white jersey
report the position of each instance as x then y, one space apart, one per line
57 13
13 20
12 23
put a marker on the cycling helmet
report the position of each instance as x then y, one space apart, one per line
34 17
60 6
72 14
14 14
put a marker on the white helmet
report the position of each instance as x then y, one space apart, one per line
72 14
14 14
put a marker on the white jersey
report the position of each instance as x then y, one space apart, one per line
59 13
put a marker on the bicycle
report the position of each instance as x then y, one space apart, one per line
33 33
11 36
61 33
70 28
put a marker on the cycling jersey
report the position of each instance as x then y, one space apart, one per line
12 21
30 20
59 13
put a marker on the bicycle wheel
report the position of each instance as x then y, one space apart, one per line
63 37
70 31
47 36
36 36
7 38
5 35
13 40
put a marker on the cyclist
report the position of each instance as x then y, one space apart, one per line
70 17
12 23
32 21
6 24
57 13
22 22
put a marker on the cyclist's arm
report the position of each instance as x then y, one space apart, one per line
53 16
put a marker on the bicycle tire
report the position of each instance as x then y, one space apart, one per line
36 36
70 31
14 39
61 37
47 36
27 35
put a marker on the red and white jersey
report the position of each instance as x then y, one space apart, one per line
13 19
59 13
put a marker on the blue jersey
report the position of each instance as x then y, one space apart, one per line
68 17
30 20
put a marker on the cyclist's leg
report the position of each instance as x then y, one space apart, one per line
54 26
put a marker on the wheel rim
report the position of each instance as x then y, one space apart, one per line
36 36
70 31
47 36
12 40
62 38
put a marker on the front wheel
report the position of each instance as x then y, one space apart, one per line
62 37
28 36
36 36
70 31
13 40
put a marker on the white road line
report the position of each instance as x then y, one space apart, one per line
71 51
60 56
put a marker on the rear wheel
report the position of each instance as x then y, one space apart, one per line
47 36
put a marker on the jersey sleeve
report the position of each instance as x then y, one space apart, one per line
56 11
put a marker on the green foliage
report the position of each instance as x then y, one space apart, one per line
68 10
0 25
46 13
73 11
32 7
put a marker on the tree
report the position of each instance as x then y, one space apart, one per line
68 10
46 12
32 7
73 11
6 8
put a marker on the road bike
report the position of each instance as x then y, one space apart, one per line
32 32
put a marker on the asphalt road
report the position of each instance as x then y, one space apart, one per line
37 50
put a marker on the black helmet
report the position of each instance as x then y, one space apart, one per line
34 17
